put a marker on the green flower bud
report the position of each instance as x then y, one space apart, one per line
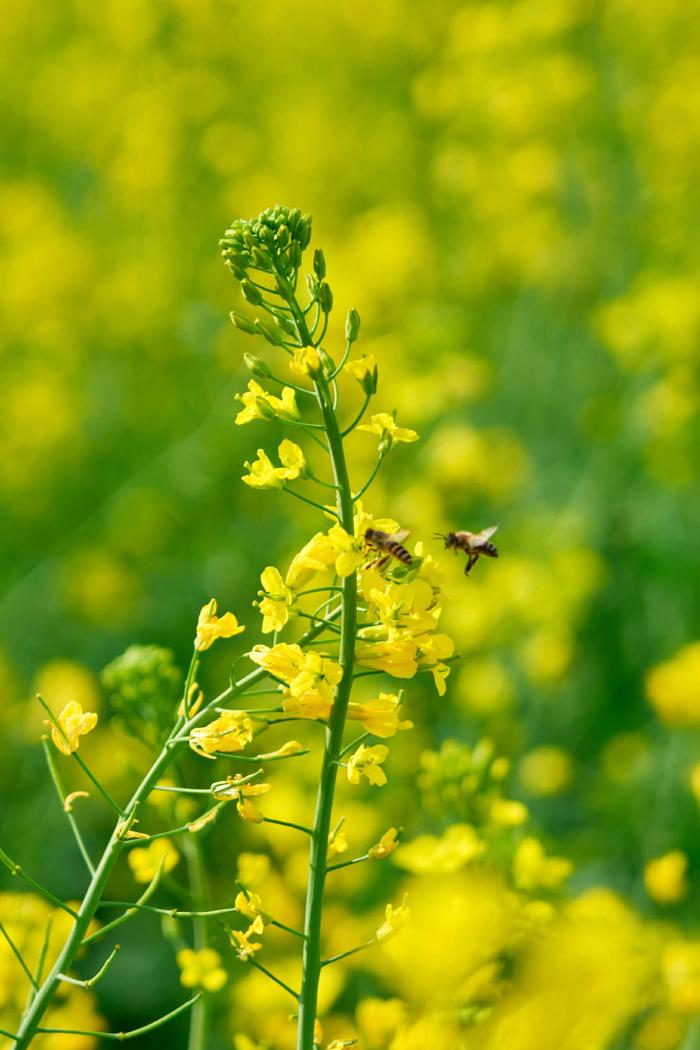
261 259
269 332
287 326
325 297
319 264
143 685
256 365
250 293
326 360
243 323
352 325
369 382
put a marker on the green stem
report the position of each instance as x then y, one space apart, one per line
311 962
195 868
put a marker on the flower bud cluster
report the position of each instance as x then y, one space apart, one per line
273 243
143 685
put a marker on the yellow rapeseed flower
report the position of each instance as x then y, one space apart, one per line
664 877
507 813
277 602
258 404
386 845
210 626
366 761
681 969
248 904
230 732
533 869
433 855
389 433
311 704
396 656
394 919
673 688
236 789
349 550
315 557
74 723
305 361
379 716
361 367
245 948
145 861
201 969
546 771
264 475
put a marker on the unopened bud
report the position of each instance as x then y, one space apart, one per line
325 297
319 264
250 293
295 255
326 360
243 323
352 325
287 326
369 382
256 365
269 332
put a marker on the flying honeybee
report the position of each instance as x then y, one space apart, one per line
388 545
472 543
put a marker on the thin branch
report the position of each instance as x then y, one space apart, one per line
370 479
287 929
18 954
61 792
358 417
288 824
353 744
132 909
89 982
311 502
17 870
268 973
347 863
353 951
120 1036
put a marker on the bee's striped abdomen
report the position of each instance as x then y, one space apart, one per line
399 552
489 549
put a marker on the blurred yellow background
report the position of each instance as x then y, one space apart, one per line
507 191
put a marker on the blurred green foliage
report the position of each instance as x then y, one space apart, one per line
507 192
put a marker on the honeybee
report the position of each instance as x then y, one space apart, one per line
472 543
389 545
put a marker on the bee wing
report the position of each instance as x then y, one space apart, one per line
400 536
479 538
